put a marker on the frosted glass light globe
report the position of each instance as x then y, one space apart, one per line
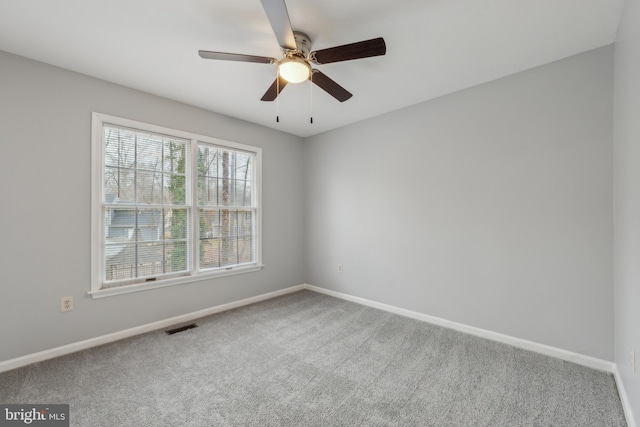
294 69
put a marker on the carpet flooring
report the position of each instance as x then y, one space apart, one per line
307 359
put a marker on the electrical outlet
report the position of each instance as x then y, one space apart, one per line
632 359
66 304
339 268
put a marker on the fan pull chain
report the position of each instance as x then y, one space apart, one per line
277 97
311 98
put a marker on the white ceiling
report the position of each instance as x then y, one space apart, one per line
434 47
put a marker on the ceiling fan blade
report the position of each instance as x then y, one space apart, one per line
235 57
329 86
347 52
279 18
274 90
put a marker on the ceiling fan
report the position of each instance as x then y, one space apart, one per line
295 67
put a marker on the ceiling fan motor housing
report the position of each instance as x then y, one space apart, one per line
303 42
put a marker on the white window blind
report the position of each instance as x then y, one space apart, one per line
226 207
145 211
172 206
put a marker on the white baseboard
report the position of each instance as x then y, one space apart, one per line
104 339
626 406
547 350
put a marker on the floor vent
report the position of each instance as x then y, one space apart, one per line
181 328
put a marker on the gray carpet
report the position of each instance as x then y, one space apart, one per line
307 359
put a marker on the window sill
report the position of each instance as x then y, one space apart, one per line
127 289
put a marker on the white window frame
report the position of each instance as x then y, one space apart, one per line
97 198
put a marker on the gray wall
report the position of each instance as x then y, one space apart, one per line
627 200
491 207
45 159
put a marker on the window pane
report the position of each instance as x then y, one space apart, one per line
120 148
149 187
207 161
226 238
177 224
243 166
174 156
207 191
143 168
120 262
174 178
226 188
176 255
243 250
149 155
224 177
119 185
150 259
119 225
243 193
175 192
149 225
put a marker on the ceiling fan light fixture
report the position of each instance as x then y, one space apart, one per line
294 69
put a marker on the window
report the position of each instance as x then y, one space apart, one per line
170 207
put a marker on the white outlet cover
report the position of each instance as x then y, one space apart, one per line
66 304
